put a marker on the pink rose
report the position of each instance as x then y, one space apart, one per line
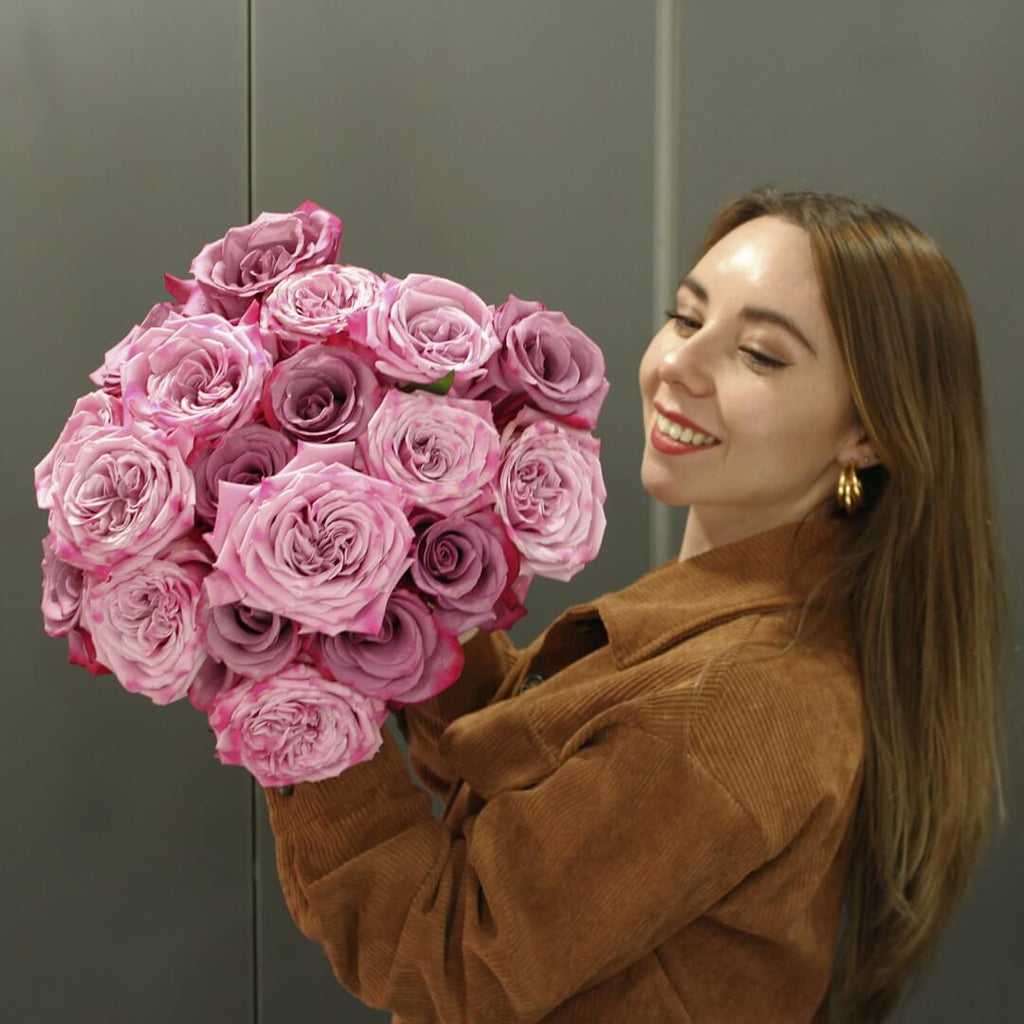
317 542
108 376
466 563
250 260
323 394
554 362
119 492
296 727
311 306
143 620
405 662
213 678
95 409
62 593
244 455
443 452
423 327
198 374
551 494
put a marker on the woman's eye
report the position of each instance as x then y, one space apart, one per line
759 357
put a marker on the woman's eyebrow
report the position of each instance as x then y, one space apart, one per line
755 313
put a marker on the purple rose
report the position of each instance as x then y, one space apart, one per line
95 409
317 542
250 260
296 727
198 374
250 641
143 620
323 394
310 307
212 679
423 327
551 494
119 492
466 563
554 362
244 456
62 592
406 661
443 452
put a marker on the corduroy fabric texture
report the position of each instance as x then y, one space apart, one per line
617 843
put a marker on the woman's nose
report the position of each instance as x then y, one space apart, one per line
687 362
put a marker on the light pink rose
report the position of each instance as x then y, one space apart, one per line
251 259
62 592
296 726
317 542
119 492
198 374
143 620
442 452
95 409
308 307
423 327
108 376
551 494
407 661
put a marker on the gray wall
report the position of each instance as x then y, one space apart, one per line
567 151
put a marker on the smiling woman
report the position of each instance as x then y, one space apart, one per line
818 336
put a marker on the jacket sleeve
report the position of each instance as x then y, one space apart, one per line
489 657
544 892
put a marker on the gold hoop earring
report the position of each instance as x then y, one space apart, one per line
850 493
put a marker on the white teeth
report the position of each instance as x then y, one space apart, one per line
687 435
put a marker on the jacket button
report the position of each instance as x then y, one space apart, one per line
531 680
286 790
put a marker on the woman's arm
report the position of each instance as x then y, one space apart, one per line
489 658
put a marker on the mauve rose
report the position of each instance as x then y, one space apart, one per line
322 394
95 409
213 678
309 307
198 374
244 456
119 492
465 563
423 327
551 494
62 592
317 542
296 726
251 259
443 452
108 375
407 661
250 641
143 620
554 362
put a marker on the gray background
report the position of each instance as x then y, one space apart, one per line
566 151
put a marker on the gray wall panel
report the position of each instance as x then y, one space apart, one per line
126 857
917 106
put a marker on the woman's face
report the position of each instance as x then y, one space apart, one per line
784 431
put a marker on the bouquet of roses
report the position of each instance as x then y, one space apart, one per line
296 485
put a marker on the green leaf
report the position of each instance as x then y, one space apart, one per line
438 387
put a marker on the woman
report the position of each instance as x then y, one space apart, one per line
687 799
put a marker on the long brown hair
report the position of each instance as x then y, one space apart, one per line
922 583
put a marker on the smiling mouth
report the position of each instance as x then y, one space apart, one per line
687 435
669 446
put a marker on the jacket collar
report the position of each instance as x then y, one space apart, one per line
676 599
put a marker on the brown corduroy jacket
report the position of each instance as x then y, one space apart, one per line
618 843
